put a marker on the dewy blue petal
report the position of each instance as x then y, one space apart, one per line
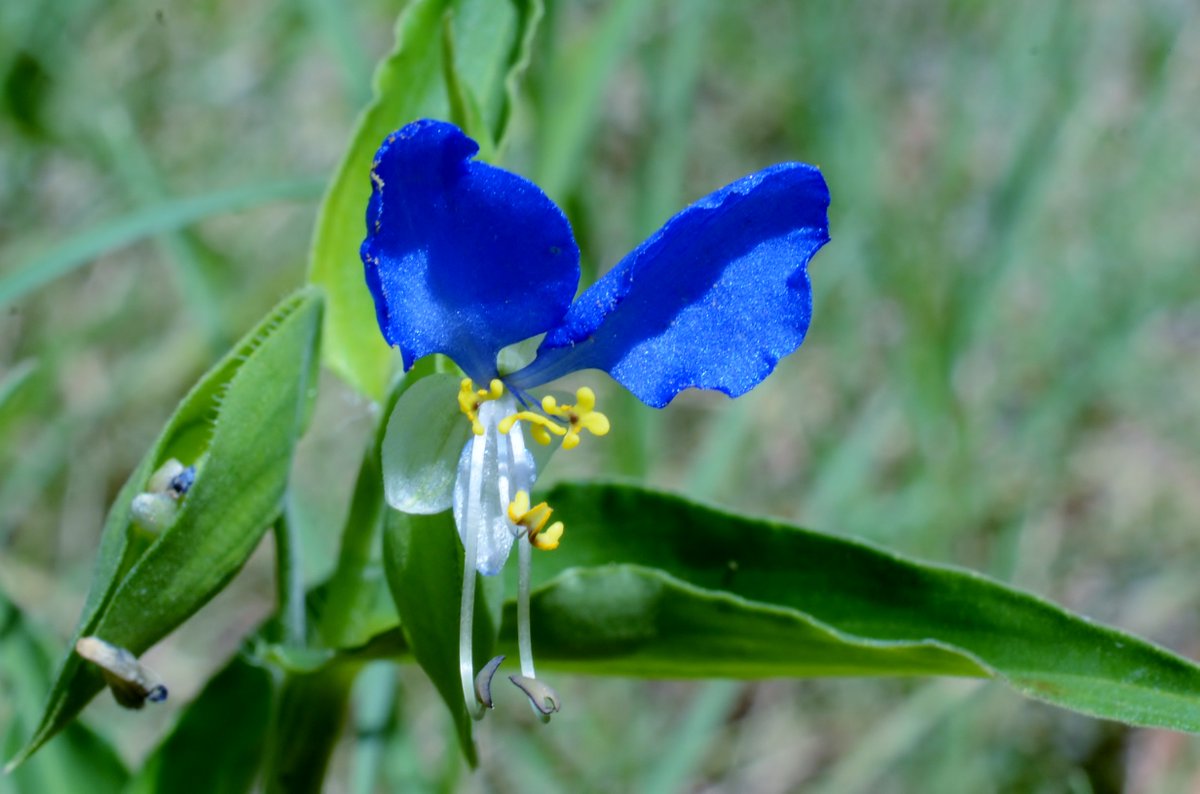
462 258
712 300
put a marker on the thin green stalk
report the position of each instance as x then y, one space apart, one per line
364 523
289 583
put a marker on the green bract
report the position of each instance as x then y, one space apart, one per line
653 585
238 426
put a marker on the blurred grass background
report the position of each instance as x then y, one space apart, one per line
1001 372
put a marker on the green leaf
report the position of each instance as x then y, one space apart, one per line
423 559
490 42
81 760
238 425
425 438
218 742
648 584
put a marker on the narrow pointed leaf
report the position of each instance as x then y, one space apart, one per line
649 584
238 427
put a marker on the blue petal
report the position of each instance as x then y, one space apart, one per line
462 258
712 300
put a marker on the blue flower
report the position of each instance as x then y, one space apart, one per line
465 259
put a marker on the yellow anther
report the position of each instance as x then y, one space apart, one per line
533 520
548 540
540 434
580 416
470 398
518 507
540 427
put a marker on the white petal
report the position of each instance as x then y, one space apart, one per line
421 448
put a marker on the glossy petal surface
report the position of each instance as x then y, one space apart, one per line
422 446
461 257
712 300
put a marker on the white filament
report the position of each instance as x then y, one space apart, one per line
492 469
524 643
474 452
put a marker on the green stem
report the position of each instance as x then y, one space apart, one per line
359 537
363 527
289 583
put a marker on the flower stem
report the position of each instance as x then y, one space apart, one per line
289 582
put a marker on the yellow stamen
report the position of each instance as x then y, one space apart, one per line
533 519
539 426
518 507
470 398
548 540
580 416
540 434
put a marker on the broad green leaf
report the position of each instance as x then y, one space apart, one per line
648 584
624 619
218 742
81 760
425 438
423 559
490 42
238 425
